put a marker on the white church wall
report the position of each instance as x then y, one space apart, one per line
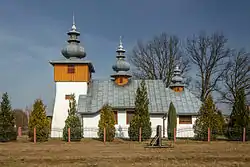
61 105
185 130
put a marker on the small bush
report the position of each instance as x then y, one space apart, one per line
107 120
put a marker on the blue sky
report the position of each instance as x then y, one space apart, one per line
33 32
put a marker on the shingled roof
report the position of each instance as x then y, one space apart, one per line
107 92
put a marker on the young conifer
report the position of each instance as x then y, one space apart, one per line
73 122
39 120
7 121
141 118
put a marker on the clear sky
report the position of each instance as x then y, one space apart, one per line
32 32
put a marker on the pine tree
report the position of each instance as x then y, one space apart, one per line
73 122
172 121
208 117
239 117
141 116
39 120
107 120
7 121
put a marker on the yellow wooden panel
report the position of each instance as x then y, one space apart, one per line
121 80
81 73
178 89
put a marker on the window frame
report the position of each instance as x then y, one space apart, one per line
116 116
185 122
127 116
68 97
71 69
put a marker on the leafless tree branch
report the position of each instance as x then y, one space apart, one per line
157 58
236 77
208 54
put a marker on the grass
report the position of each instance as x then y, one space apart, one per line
121 153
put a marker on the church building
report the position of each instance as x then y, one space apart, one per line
73 74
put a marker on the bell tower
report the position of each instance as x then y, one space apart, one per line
71 75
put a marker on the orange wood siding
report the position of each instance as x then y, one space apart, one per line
81 73
178 89
121 80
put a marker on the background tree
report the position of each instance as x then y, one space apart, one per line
157 58
208 117
107 120
172 121
21 119
7 121
141 117
208 54
239 117
38 120
73 122
236 77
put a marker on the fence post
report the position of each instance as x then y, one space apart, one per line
104 135
34 135
140 134
19 131
244 134
208 135
174 134
69 135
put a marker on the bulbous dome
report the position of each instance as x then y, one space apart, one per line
177 79
121 65
73 50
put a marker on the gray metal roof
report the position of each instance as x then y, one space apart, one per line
106 91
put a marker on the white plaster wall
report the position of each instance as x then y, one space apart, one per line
185 130
157 120
90 125
61 105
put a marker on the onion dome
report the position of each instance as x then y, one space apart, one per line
73 49
121 67
177 80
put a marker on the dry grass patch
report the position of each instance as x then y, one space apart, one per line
123 154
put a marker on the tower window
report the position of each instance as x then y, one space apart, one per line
67 97
121 80
71 68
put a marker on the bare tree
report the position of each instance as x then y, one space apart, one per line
21 118
208 54
157 58
237 76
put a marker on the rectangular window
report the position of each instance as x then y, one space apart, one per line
185 119
67 97
130 115
116 117
120 79
71 68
